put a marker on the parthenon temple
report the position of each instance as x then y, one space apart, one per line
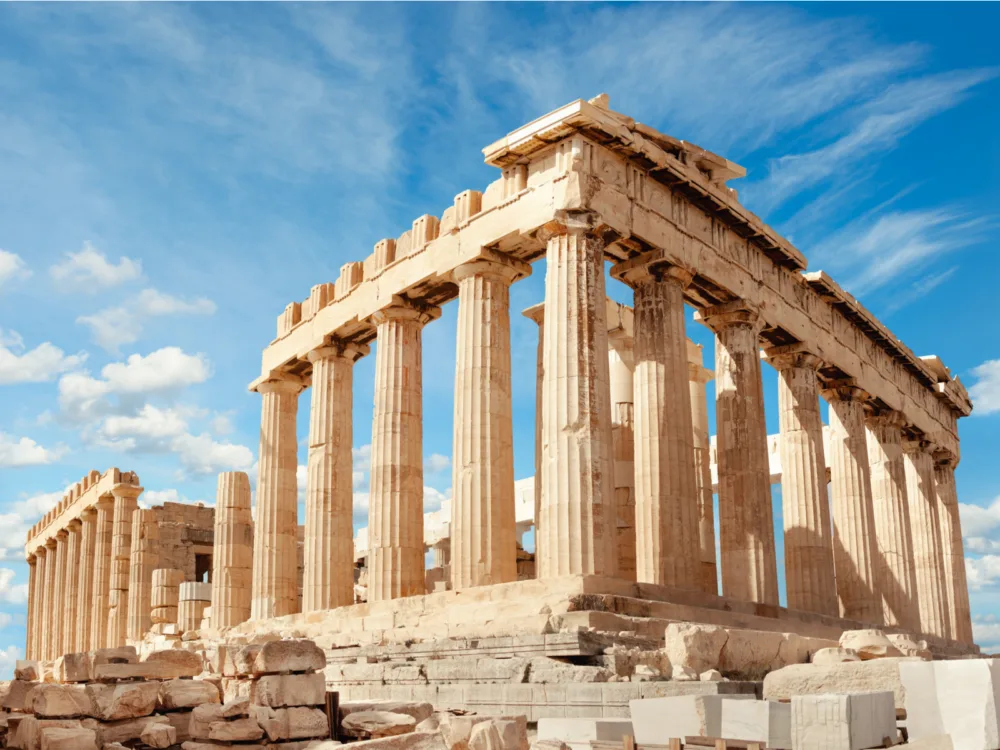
622 501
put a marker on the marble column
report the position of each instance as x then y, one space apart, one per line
396 509
275 589
621 369
145 558
165 594
328 578
125 504
31 642
71 588
746 524
809 564
578 504
698 377
232 559
483 539
103 532
668 539
85 579
953 553
48 602
854 544
59 596
928 562
537 314
893 537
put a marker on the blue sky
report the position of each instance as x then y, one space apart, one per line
171 176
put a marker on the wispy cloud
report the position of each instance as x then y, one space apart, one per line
12 266
19 452
120 325
90 271
985 392
43 363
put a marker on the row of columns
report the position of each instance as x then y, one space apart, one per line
79 580
889 551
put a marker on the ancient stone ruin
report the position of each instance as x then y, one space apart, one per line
620 600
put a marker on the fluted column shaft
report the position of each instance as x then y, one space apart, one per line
145 558
125 504
698 377
928 560
894 539
31 636
578 504
396 509
668 542
328 577
854 545
59 596
48 602
809 565
483 538
953 552
71 588
537 314
621 366
85 579
275 591
232 561
103 532
746 525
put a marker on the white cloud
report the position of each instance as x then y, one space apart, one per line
436 462
21 514
153 302
200 454
982 572
986 632
221 424
89 270
18 452
433 499
12 267
158 497
979 521
150 422
114 327
10 592
8 658
38 365
985 392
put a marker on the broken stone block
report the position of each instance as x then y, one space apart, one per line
766 722
234 708
128 700
147 670
179 694
17 695
59 701
868 644
417 709
367 725
849 677
694 646
291 723
843 722
159 735
910 647
579 733
124 731
235 730
683 674
186 663
202 718
956 697
411 741
28 733
826 656
280 690
711 675
27 669
485 736
122 655
57 738
654 719
751 652
277 657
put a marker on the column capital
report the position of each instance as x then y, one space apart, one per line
41 551
945 458
699 374
88 514
62 534
535 313
886 418
918 445
402 308
571 222
497 265
651 268
50 543
792 356
738 312
126 491
844 390
31 559
348 350
74 524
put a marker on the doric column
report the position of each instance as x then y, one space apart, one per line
232 561
746 525
396 509
71 588
892 521
854 544
809 576
103 532
483 539
85 579
31 642
621 370
59 596
145 558
537 314
165 594
953 552
668 542
48 601
125 504
275 558
328 579
925 524
578 508
698 377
